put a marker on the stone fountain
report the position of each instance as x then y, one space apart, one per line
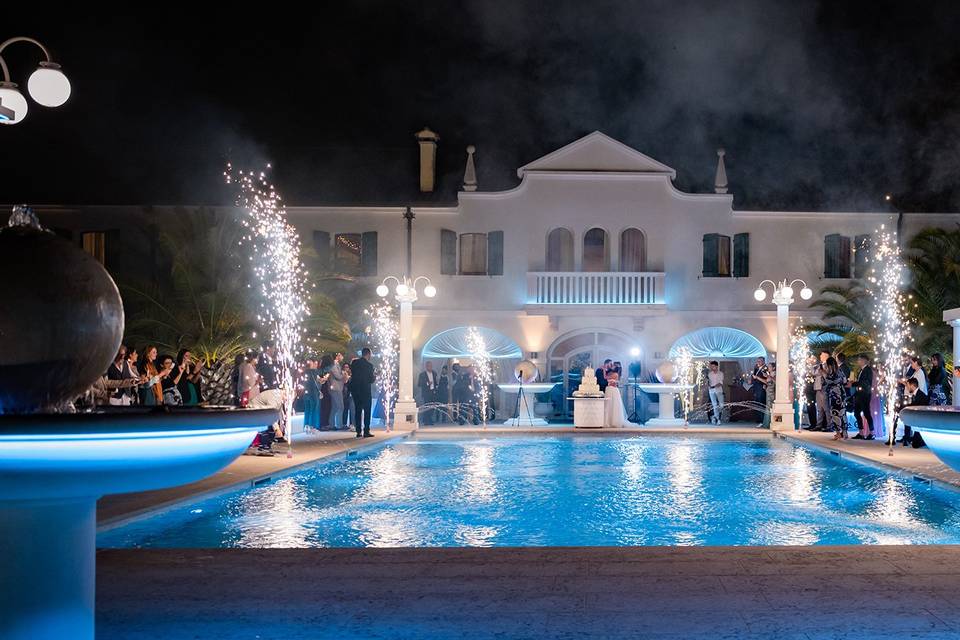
61 325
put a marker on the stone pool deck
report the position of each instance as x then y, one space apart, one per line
648 593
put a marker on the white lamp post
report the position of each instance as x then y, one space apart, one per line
405 291
47 86
782 418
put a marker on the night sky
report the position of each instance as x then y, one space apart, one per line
820 105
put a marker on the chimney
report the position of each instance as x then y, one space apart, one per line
427 140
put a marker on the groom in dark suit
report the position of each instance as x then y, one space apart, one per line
361 379
602 374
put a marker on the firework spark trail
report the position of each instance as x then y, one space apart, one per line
885 284
799 353
689 372
275 257
481 367
384 332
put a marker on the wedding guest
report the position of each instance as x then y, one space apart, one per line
151 393
916 371
810 391
249 380
348 407
427 384
335 389
715 390
862 393
835 386
189 385
443 390
823 407
938 383
918 399
758 382
311 395
119 373
326 402
235 377
266 366
770 393
361 380
169 378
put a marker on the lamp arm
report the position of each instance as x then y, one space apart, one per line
7 43
772 284
388 278
796 280
419 278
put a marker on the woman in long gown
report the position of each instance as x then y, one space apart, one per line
938 383
311 396
614 415
835 388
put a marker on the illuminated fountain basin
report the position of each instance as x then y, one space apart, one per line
666 391
53 469
940 428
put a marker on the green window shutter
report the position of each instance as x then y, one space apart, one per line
863 244
321 244
741 255
495 253
368 253
711 257
448 252
836 256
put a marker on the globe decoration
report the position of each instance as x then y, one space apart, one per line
526 372
666 372
64 321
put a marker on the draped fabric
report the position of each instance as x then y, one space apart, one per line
452 343
560 250
720 342
633 250
596 255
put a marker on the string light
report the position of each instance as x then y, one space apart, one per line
275 257
384 332
482 369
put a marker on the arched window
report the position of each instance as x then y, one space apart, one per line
560 250
596 255
633 250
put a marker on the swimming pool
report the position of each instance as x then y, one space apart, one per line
557 490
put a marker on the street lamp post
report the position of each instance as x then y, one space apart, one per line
782 417
47 85
405 292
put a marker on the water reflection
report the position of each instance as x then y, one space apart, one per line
685 501
276 516
478 484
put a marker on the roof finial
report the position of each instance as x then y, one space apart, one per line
720 182
470 174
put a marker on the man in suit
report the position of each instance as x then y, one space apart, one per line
758 382
917 399
862 391
601 374
335 387
427 383
361 379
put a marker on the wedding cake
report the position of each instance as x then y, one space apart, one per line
588 386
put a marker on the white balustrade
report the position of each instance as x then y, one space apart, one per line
563 287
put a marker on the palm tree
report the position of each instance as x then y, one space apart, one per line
846 314
934 262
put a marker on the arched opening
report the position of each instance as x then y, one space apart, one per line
559 250
633 250
570 354
596 252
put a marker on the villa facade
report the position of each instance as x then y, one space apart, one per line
594 254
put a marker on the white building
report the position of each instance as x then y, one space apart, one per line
596 254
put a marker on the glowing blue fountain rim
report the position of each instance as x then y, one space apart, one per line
452 343
719 342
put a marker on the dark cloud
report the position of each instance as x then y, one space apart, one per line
819 104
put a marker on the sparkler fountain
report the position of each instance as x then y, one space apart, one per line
67 327
480 360
384 332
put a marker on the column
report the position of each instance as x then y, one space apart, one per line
782 418
405 410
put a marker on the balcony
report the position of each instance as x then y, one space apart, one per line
553 289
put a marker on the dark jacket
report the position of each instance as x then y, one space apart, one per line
424 384
864 385
361 376
601 378
920 399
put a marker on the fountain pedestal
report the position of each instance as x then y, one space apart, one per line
54 468
665 403
524 409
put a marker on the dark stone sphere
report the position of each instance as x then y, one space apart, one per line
61 320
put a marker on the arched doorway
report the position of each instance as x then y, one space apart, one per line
571 353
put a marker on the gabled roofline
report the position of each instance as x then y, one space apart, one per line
659 167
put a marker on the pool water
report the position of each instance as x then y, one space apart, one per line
566 491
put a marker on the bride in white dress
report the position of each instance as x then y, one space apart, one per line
614 415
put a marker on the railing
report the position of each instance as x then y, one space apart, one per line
562 287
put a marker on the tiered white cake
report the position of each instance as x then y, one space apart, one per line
589 388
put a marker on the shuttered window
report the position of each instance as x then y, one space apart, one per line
448 252
495 253
473 254
862 246
368 253
741 255
321 244
836 256
716 255
346 254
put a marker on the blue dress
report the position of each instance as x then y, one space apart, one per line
311 400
